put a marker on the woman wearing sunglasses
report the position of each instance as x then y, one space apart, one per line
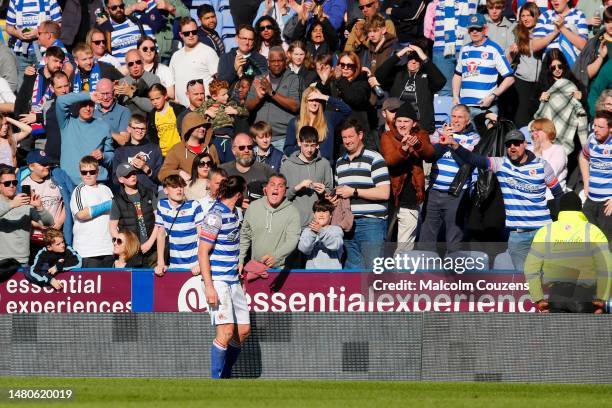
98 43
268 35
150 56
126 249
197 188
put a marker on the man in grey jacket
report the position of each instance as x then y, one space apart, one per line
132 90
17 213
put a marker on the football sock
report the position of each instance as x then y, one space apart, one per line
217 359
233 349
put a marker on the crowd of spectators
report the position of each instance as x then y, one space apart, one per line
352 122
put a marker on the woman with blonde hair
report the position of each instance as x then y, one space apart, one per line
10 140
322 112
126 248
543 134
98 41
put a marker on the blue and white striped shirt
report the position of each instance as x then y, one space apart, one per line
440 37
575 20
445 169
221 227
524 191
125 36
600 168
183 237
29 14
479 66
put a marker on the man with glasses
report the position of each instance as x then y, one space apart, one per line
275 98
18 213
194 61
242 60
479 64
48 36
523 179
253 172
358 37
133 90
207 33
140 153
125 31
115 115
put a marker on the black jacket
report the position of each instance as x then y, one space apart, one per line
152 129
128 219
429 80
226 70
23 105
408 17
356 94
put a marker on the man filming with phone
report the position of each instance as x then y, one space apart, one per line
17 213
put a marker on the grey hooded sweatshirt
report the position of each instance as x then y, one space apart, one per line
296 170
322 250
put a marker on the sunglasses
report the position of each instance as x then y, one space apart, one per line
10 183
266 27
365 6
89 172
118 6
204 163
555 67
132 63
195 81
515 143
99 42
245 147
476 29
190 32
342 65
117 241
147 49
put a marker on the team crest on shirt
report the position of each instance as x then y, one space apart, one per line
533 172
606 152
472 69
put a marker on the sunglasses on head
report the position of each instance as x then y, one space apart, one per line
195 81
367 5
189 32
515 143
116 7
147 49
132 63
99 42
245 147
9 183
89 172
117 241
266 27
346 66
204 163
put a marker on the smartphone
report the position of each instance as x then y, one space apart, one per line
25 189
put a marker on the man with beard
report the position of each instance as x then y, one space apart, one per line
523 179
206 33
253 172
195 94
196 139
275 98
133 90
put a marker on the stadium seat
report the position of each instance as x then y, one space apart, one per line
229 41
503 262
442 109
225 19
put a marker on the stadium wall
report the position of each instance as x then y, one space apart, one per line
373 346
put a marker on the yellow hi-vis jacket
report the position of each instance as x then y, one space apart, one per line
570 250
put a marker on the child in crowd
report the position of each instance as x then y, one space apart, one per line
162 124
264 151
55 258
222 113
321 242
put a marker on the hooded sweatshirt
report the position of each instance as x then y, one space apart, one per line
273 231
296 170
322 250
180 157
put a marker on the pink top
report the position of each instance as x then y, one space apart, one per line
556 157
430 14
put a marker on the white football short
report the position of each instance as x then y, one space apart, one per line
232 307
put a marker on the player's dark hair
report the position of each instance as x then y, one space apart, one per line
231 186
308 134
323 205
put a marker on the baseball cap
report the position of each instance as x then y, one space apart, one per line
37 156
406 111
391 104
476 20
514 135
124 170
192 121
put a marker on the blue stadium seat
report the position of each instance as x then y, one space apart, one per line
225 19
442 109
229 41
503 262
222 4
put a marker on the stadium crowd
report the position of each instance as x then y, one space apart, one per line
352 123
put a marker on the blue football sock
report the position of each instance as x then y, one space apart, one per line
233 349
217 360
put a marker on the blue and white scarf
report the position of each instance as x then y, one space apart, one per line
94 77
456 15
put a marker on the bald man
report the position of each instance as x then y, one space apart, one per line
132 90
111 112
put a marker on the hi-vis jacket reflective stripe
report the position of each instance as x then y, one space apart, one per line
569 250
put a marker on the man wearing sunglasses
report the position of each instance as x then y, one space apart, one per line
523 179
18 212
194 61
478 66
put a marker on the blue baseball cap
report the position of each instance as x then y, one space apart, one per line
476 20
38 156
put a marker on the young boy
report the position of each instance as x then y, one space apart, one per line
321 242
222 113
264 151
308 174
90 205
55 258
163 128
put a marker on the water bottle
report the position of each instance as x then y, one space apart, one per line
379 91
